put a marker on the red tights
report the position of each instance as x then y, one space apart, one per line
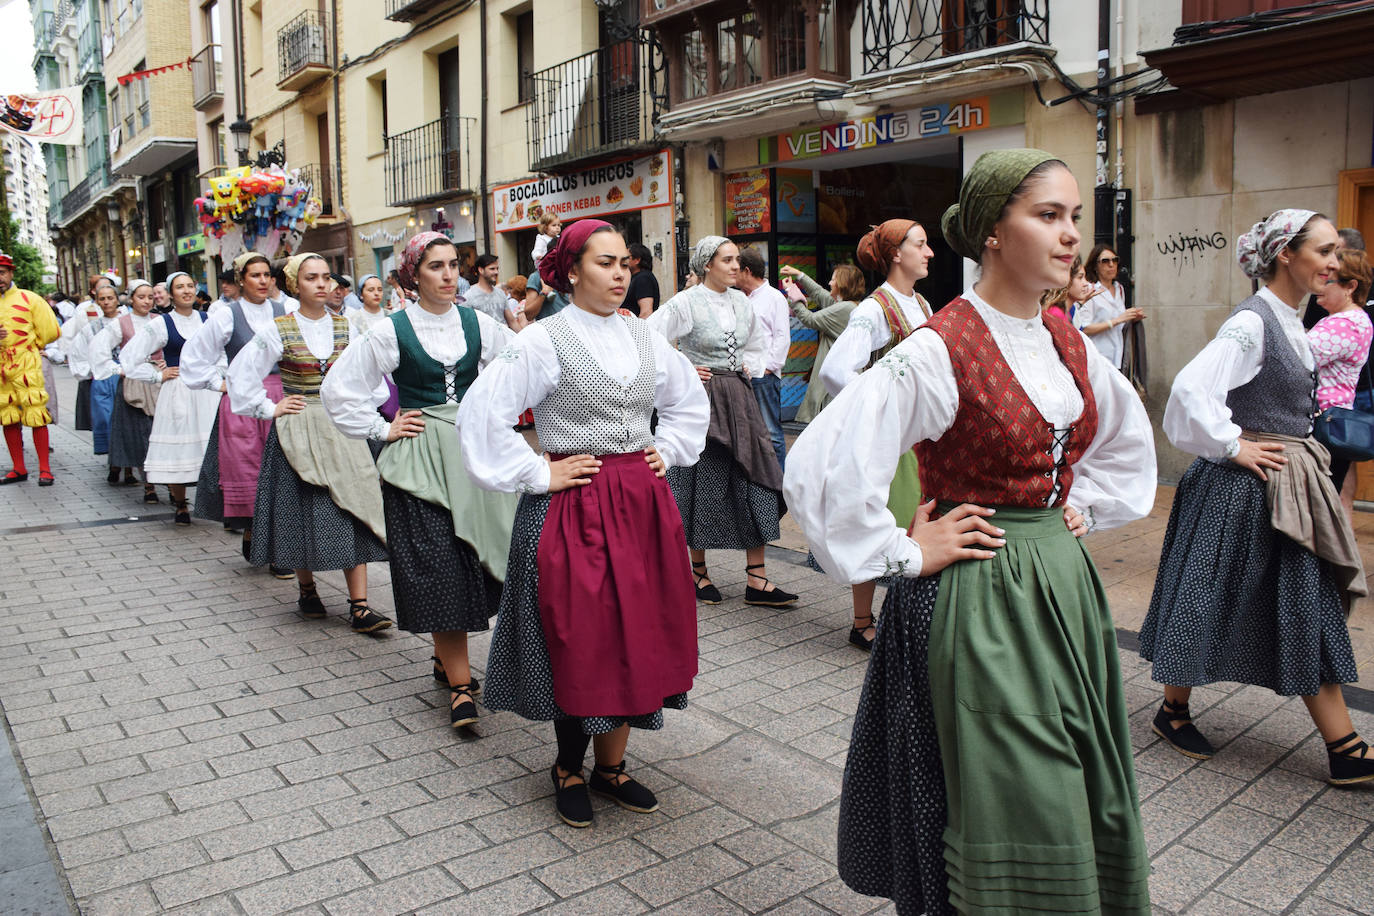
14 441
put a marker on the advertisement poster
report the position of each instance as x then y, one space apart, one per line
44 117
615 187
796 192
747 202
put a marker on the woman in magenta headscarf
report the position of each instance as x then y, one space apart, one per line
598 623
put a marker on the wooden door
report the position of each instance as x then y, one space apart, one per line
1355 208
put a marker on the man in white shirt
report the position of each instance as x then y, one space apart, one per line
770 310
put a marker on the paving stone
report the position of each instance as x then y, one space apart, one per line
456 809
1215 904
88 821
195 823
242 786
1232 833
1279 793
518 895
290 798
336 844
1322 834
756 845
705 903
497 863
598 866
400 895
742 774
779 880
132 868
217 877
691 831
235 841
605 901
1181 875
372 803
421 851
1349 883
701 868
291 891
1271 879
135 900
835 897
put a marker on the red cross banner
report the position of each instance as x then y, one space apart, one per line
52 116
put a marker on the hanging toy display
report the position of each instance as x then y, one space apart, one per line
266 210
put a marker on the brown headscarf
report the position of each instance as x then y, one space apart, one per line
878 247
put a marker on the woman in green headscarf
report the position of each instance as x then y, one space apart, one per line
990 766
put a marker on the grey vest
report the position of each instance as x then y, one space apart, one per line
1283 397
589 412
710 345
243 331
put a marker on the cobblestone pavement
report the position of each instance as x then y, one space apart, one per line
183 741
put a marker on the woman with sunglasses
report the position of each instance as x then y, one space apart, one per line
1103 315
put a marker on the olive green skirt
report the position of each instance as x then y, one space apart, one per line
1027 699
904 493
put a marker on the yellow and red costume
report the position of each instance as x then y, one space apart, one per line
31 326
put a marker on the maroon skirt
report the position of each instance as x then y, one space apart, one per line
615 593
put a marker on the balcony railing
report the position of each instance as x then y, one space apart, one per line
596 103
205 76
430 162
302 51
898 33
321 186
81 195
410 10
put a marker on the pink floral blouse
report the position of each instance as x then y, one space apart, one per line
1340 344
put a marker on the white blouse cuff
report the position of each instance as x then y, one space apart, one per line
379 429
1232 449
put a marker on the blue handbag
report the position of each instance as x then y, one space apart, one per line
1346 433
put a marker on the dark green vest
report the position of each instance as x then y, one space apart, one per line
420 378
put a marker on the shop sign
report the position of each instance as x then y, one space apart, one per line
190 244
608 188
796 201
938 120
747 202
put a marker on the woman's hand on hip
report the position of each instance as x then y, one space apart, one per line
655 461
963 533
405 425
1256 456
292 403
1075 522
573 471
703 373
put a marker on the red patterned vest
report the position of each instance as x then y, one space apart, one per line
1000 450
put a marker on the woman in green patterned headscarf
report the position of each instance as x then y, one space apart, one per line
990 766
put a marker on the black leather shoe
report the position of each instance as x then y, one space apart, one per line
461 708
310 604
628 794
1185 739
573 802
708 593
764 597
1349 765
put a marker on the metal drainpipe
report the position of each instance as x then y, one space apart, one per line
1102 193
338 136
482 179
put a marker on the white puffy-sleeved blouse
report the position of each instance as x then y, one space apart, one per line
134 358
499 458
1196 419
839 469
350 391
866 333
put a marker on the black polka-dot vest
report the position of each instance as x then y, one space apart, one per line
589 412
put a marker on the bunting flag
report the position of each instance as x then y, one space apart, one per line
52 116
128 78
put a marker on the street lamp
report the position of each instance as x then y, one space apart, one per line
241 131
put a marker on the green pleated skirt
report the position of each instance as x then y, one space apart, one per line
904 493
1028 707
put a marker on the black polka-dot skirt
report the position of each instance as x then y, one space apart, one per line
130 428
892 807
439 584
1237 601
298 526
209 502
519 675
83 405
722 509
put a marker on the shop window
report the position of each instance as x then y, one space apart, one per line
789 42
737 51
694 80
828 58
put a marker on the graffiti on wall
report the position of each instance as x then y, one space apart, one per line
1186 250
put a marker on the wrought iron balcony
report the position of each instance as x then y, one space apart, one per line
899 33
429 163
302 51
597 103
321 186
205 77
81 195
410 10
